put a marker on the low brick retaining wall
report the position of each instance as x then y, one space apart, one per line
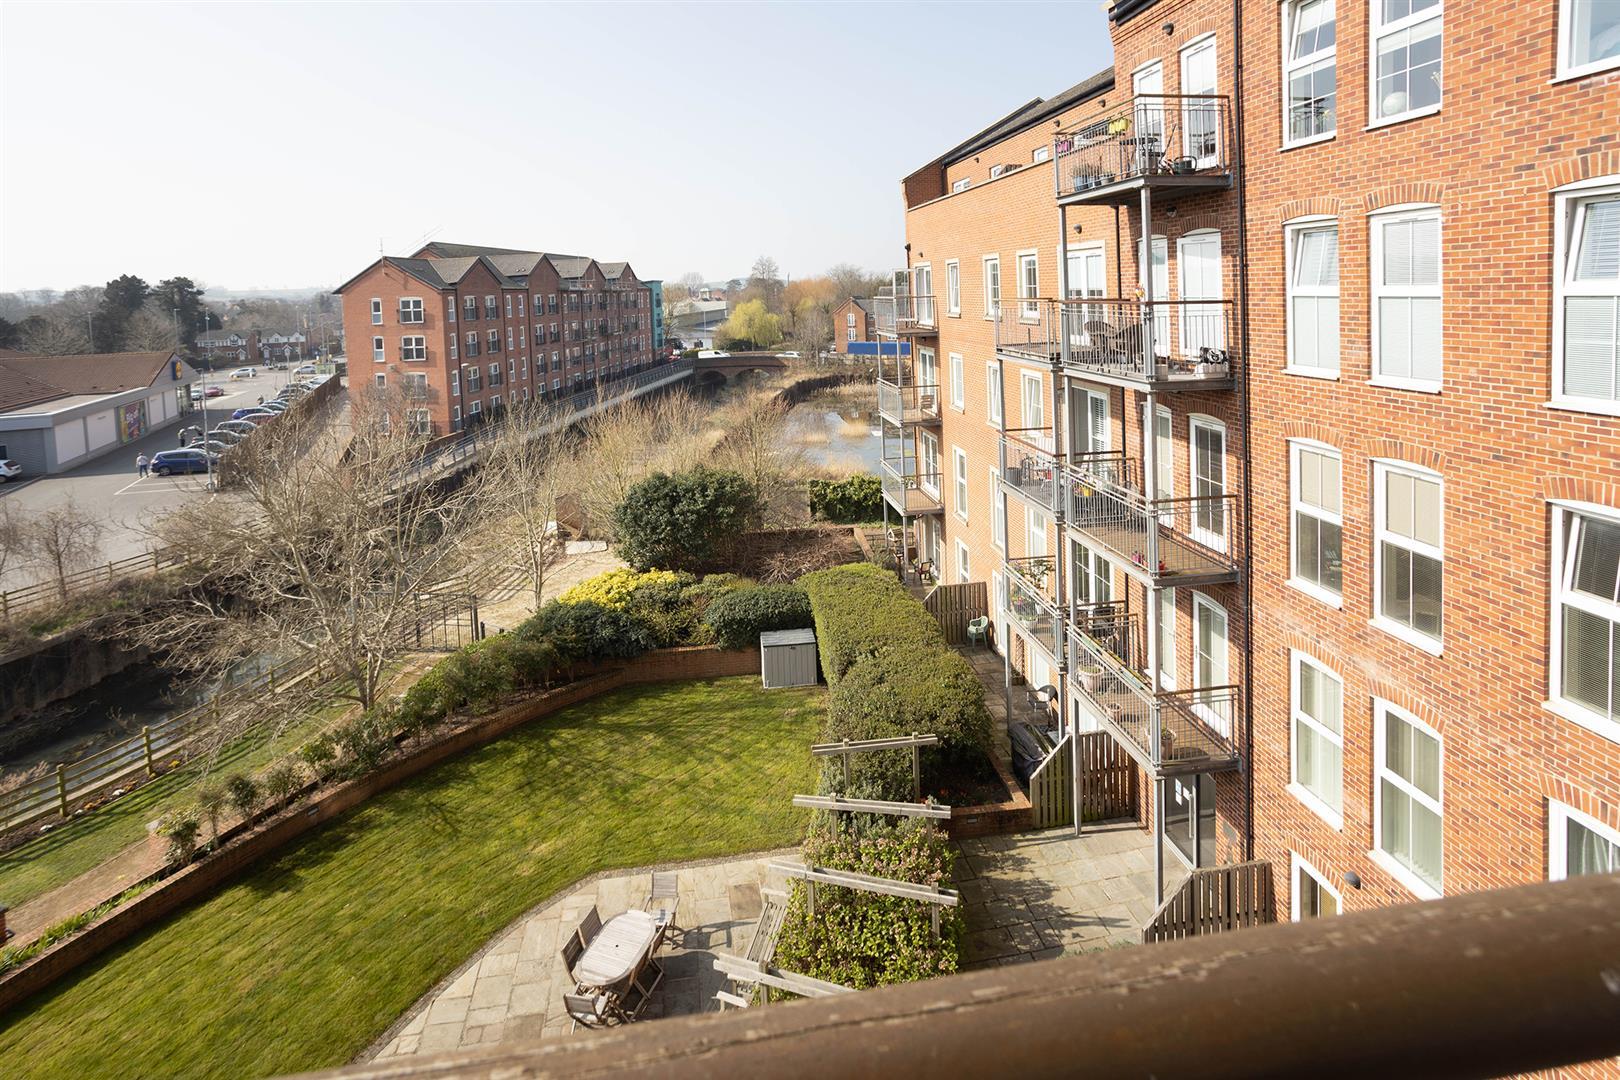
250 844
990 819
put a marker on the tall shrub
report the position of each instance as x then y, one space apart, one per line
738 618
686 521
853 499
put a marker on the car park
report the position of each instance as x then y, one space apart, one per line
9 470
245 373
171 462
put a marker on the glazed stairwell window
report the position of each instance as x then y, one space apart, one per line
1586 327
1407 802
1408 557
1405 54
1585 667
1316 516
1406 309
1310 71
1313 297
1317 738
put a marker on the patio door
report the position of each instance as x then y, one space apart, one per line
1199 112
1207 449
1088 421
1210 663
1189 818
1198 259
1085 272
928 464
928 372
1160 309
1148 85
923 291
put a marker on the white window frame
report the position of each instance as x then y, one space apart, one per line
1297 505
1292 231
1296 717
380 380
1202 608
1569 205
1378 291
1195 422
1376 31
1025 419
998 514
1193 102
1563 515
450 309
1408 878
993 403
959 482
455 414
1166 599
376 311
958 375
1292 65
964 563
922 293
1381 470
953 287
1559 815
455 384
1041 153
928 463
379 350
991 265
1296 864
412 305
1567 69
1029 308
411 344
958 186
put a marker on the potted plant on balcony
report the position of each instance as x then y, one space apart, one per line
1089 673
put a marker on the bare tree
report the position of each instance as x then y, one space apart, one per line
622 444
756 445
528 469
13 538
691 283
56 333
319 545
150 330
62 540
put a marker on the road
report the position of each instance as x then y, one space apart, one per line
109 486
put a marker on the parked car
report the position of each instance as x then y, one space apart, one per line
243 428
211 391
213 446
788 355
306 369
275 405
230 438
196 393
244 373
9 470
259 416
276 365
168 462
711 354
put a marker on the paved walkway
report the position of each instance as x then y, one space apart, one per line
513 988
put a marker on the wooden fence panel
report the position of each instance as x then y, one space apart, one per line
1051 788
954 606
1213 900
1109 787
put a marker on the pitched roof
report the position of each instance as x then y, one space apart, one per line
570 266
1031 114
18 389
444 249
28 378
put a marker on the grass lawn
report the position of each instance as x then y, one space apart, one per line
305 960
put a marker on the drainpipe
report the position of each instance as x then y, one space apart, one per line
1244 412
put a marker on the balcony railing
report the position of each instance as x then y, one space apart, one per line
1032 604
1028 329
1168 732
1176 541
1030 468
1139 341
907 403
911 493
904 313
1164 139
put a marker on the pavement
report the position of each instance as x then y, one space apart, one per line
110 486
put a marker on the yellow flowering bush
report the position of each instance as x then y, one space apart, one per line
612 588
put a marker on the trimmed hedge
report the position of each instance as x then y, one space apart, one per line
861 610
849 501
738 618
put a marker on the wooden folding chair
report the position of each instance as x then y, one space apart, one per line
592 1011
666 895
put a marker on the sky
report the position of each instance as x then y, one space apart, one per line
277 146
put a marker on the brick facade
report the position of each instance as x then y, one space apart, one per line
851 322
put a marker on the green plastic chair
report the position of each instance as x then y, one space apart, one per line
979 630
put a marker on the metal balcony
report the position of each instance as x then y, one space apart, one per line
907 403
1032 602
911 493
1030 469
1167 543
1176 145
1027 329
905 314
1168 733
1138 344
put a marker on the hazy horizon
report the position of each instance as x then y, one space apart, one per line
267 147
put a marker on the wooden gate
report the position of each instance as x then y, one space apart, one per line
1215 899
1051 787
1109 788
954 606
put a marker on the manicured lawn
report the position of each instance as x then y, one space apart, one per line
303 962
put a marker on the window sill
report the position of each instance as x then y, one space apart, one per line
1591 721
1572 74
1316 592
1391 121
959 408
1327 136
1407 634
1312 373
1317 806
953 314
962 518
1419 386
1596 408
1408 880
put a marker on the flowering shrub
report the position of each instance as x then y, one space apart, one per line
612 588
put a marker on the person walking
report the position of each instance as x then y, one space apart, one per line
141 463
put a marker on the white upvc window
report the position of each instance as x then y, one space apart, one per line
455 386
1405 56
1316 743
453 349
449 309
1406 309
1093 576
953 287
1586 297
410 310
992 394
964 564
508 305
455 417
413 348
1408 552
998 515
922 287
1408 808
959 469
1032 391
1578 844
1313 897
376 311
1035 525
1316 520
1041 153
1206 439
1029 284
1211 659
1588 36
382 382
1585 656
1313 297
1200 118
992 285
1166 638
958 383
379 350
475 409
961 185
1310 73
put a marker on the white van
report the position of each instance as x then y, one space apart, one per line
711 354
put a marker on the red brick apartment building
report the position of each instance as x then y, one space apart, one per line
1354 606
457 331
852 324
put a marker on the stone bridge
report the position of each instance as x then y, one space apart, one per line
739 365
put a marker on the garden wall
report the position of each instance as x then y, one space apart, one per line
248 845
